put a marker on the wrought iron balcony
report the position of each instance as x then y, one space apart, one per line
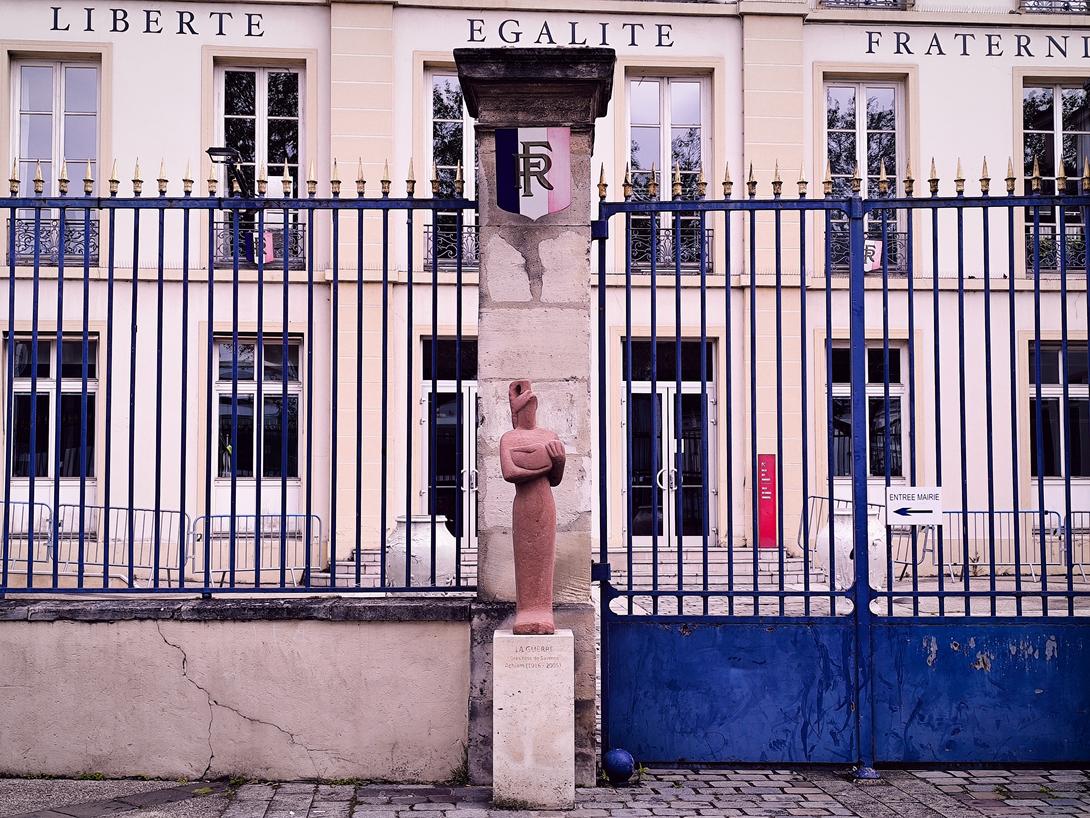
899 5
689 236
446 241
1049 248
251 245
895 251
48 241
1055 6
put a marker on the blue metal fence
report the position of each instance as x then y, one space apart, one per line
218 463
733 633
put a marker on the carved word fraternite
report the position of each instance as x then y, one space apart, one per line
532 459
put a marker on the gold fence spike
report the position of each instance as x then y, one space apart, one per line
933 180
701 184
262 181
883 177
909 182
286 182
985 179
187 181
113 180
1086 175
137 182
728 185
312 181
361 183
1011 178
459 181
777 182
13 180
62 178
751 182
335 180
602 186
410 180
211 182
626 185
39 182
827 182
653 184
1035 179
162 180
802 183
857 181
1061 180
385 180
675 186
959 179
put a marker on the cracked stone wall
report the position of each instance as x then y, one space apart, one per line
288 699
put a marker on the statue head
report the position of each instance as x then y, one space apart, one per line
523 405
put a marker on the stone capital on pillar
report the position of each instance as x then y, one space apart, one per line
535 322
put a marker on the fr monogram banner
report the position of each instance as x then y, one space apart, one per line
533 170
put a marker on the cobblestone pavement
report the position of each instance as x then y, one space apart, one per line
676 793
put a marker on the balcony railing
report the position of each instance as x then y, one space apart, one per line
252 245
665 262
899 5
894 249
445 240
1055 6
1049 248
76 241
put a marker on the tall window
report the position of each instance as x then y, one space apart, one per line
56 105
37 454
863 129
452 143
263 426
1055 125
667 128
1060 425
260 110
876 413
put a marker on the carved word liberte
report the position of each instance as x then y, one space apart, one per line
153 21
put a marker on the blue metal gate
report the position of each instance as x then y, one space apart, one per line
782 362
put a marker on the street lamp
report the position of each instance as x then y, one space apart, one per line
231 158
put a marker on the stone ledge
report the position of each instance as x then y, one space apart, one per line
337 609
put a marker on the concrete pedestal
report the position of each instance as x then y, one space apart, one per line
533 720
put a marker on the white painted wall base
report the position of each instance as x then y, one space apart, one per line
533 727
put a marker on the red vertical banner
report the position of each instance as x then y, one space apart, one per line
766 500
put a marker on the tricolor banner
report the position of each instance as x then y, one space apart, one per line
533 170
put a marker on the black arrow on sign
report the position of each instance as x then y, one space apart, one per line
904 511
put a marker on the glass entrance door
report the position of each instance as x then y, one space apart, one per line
452 496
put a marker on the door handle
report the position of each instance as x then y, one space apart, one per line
658 478
673 479
472 479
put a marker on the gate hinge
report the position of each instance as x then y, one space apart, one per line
599 229
600 572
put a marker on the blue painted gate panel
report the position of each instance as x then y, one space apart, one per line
982 690
725 690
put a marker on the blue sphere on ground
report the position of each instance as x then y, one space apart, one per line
618 766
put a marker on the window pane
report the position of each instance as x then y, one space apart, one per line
685 148
244 466
1050 436
877 421
35 136
36 88
841 153
666 360
685 103
81 89
446 98
876 366
21 436
283 94
239 134
71 437
644 101
1050 363
1076 364
24 351
283 141
646 149
882 147
1078 431
245 361
842 365
72 359
842 437
1037 109
273 440
274 357
447 143
1041 147
1076 109
881 109
80 137
446 358
840 108
239 93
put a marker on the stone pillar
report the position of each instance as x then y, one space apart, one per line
535 322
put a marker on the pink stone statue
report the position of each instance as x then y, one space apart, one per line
532 459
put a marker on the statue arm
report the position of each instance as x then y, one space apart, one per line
513 473
556 452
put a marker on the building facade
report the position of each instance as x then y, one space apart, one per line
821 92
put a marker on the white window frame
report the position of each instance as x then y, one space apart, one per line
1075 391
261 116
860 86
58 115
47 387
468 140
664 163
897 390
222 388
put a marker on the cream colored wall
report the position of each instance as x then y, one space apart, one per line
265 699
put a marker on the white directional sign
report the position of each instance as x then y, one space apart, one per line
914 505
